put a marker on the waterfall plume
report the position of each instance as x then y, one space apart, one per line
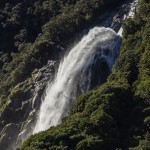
94 55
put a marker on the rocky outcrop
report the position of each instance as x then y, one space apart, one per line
20 114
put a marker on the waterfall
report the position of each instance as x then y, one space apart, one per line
93 55
86 66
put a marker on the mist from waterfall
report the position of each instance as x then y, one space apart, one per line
74 76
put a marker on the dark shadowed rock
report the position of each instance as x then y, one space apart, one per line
7 135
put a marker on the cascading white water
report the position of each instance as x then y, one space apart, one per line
75 73
100 54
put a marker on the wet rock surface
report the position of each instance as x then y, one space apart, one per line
20 114
8 136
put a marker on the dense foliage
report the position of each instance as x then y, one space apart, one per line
117 114
34 31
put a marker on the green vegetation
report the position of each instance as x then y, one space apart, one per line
115 115
32 32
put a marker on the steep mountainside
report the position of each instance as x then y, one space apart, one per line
33 35
32 30
117 114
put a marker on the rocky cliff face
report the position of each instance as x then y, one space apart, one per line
22 84
20 114
117 114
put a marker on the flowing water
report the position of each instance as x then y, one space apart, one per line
85 66
74 75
